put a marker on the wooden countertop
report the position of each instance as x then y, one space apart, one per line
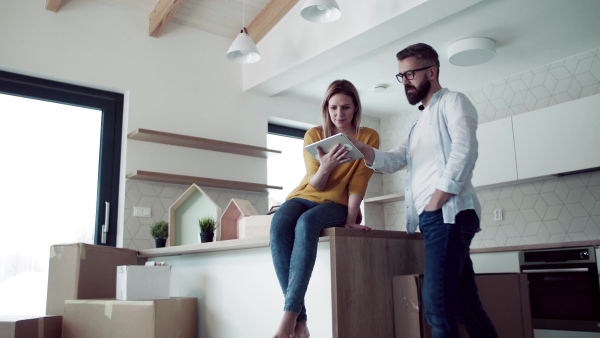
537 246
260 242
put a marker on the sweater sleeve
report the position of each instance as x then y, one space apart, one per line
310 162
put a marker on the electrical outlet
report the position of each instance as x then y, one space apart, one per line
498 213
142 212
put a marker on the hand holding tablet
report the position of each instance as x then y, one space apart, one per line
329 143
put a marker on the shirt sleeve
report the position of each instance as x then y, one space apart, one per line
392 160
461 119
360 179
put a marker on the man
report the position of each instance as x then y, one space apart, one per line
439 151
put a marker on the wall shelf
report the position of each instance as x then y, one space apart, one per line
385 198
143 175
148 135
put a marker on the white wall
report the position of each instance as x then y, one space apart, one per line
180 82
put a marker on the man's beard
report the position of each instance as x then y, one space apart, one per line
419 94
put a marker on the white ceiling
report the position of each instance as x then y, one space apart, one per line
528 33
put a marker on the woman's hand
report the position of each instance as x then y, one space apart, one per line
328 161
335 157
357 226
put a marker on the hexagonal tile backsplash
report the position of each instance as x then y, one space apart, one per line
560 209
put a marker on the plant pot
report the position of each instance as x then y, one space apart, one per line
160 242
206 237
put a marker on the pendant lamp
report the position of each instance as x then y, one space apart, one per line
321 11
243 49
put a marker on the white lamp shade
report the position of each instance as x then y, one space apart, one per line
321 11
471 51
243 49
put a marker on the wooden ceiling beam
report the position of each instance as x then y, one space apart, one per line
52 5
268 18
161 15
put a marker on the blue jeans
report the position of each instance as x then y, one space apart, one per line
449 289
295 231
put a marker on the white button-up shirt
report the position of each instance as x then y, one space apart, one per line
453 127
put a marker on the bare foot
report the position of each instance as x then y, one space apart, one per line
301 330
287 325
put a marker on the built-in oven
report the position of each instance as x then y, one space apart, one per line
564 288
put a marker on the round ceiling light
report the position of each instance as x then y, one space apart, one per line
471 51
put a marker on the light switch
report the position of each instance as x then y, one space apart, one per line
142 212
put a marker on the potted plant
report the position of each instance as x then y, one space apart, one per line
207 226
159 230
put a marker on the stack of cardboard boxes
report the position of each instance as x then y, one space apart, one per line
82 294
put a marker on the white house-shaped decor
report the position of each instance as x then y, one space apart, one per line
236 210
255 226
184 215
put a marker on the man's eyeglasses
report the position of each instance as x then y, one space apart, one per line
409 74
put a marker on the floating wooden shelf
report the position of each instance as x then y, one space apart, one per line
200 143
385 198
143 175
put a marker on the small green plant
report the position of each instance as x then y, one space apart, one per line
207 224
159 229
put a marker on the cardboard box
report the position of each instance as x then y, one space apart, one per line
409 320
138 282
83 271
163 318
28 327
505 298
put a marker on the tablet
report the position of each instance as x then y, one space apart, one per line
330 142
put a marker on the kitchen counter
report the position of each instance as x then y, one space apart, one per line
260 242
537 246
349 295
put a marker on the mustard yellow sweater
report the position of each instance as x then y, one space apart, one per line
348 178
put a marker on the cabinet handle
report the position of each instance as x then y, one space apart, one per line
554 270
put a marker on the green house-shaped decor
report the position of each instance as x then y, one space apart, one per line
193 204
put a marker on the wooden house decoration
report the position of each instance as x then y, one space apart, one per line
235 211
193 204
240 220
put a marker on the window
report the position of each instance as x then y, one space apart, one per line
287 169
60 147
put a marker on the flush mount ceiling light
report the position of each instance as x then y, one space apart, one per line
243 49
471 51
321 11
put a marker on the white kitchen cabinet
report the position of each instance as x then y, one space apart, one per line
496 161
558 139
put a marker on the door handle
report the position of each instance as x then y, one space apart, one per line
106 219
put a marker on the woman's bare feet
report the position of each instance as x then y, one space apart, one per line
287 325
301 330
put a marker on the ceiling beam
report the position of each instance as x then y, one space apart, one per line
52 5
269 17
161 15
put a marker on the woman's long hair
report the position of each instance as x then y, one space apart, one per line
337 87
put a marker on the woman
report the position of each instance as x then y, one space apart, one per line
328 196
